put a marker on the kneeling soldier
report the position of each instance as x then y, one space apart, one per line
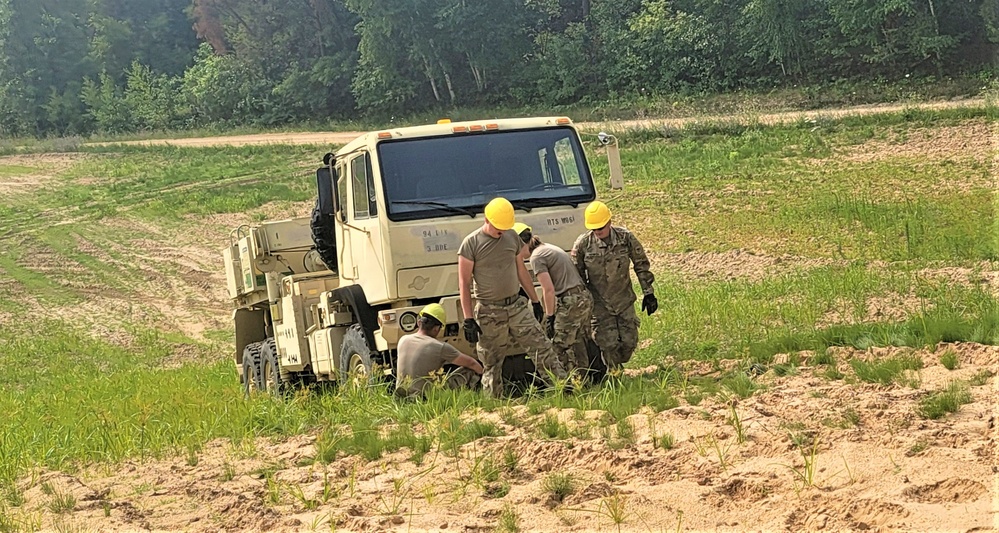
422 356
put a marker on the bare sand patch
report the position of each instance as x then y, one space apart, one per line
972 140
734 264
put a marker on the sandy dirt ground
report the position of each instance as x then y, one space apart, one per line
875 465
814 454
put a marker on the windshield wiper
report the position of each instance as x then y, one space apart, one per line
442 205
528 203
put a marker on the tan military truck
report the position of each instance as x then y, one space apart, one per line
322 298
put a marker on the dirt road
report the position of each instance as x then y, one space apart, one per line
343 137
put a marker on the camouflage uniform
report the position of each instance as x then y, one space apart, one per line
604 267
573 303
572 311
504 327
505 318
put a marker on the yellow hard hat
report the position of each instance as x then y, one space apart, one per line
499 213
519 227
597 215
436 311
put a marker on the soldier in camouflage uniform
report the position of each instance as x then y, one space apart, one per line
491 265
568 305
602 256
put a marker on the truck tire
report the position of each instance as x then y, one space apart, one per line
272 378
251 368
355 355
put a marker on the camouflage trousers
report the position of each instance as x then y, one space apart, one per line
458 377
572 312
504 329
616 335
461 378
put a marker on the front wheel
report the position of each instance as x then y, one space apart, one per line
271 377
355 356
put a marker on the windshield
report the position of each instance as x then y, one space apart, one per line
458 174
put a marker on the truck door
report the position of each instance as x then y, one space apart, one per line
363 246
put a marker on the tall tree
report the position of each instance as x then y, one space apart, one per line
302 53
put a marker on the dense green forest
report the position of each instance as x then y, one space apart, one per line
83 66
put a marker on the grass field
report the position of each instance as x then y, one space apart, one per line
766 241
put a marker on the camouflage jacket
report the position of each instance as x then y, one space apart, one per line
604 268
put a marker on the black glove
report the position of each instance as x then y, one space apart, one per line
472 330
550 326
650 304
539 312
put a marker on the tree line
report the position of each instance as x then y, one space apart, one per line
84 66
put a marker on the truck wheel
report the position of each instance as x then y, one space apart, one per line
355 356
251 368
271 377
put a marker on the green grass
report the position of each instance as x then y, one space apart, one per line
165 184
948 400
784 190
949 359
851 231
551 428
886 371
558 485
509 520
16 170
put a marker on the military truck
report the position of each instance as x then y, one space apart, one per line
327 297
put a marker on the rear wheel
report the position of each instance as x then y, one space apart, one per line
355 356
251 368
272 379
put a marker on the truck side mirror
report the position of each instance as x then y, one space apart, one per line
326 191
613 159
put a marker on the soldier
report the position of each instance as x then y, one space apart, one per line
491 264
602 256
568 305
422 356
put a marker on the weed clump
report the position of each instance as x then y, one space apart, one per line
886 371
509 520
980 378
551 428
559 485
740 384
940 403
665 441
949 359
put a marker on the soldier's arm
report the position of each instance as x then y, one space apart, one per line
547 292
524 276
465 266
578 258
641 264
468 362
